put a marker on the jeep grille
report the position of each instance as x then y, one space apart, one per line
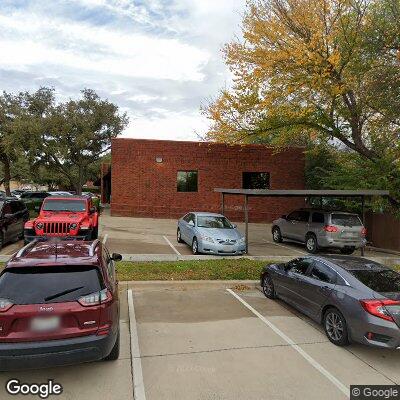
56 228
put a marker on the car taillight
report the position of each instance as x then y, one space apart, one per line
364 232
330 228
95 298
379 308
5 305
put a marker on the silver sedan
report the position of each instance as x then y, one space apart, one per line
210 233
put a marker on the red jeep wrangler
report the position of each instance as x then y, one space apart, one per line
64 217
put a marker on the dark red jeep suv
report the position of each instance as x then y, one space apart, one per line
58 305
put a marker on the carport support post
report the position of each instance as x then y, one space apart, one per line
363 219
246 220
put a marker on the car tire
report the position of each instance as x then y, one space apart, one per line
311 243
95 233
195 246
348 250
268 287
1 240
179 236
335 327
277 235
114 352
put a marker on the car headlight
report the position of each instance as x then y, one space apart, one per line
73 226
242 240
39 225
208 239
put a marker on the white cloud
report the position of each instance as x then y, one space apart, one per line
156 59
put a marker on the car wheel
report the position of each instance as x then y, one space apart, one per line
276 235
335 327
114 352
195 246
1 240
95 233
311 243
347 250
178 236
268 287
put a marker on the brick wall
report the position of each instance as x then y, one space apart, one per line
143 187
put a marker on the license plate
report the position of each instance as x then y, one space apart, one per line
45 324
349 234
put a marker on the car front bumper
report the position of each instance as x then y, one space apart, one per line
29 237
219 249
52 353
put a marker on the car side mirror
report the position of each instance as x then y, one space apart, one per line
92 210
191 223
116 257
284 216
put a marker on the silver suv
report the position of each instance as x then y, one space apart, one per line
321 229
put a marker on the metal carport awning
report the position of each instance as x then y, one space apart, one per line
362 194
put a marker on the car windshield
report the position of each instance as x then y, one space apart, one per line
64 205
379 280
206 221
48 284
346 220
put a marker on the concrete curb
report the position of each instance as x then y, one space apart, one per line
183 285
386 260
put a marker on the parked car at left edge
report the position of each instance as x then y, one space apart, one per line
64 217
13 216
210 233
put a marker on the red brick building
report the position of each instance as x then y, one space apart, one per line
166 179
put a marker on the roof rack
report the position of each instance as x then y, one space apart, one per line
93 247
22 251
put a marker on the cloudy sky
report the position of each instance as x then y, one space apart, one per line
157 59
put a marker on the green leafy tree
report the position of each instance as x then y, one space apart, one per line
71 137
319 70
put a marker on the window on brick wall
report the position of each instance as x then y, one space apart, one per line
255 180
187 181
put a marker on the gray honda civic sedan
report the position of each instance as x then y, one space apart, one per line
210 233
355 299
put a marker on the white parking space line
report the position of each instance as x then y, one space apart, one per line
137 373
105 238
343 388
172 246
285 247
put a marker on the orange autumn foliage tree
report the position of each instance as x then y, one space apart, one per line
315 70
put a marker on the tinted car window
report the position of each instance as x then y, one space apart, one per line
318 218
301 216
43 284
7 209
299 266
15 207
346 220
379 281
186 218
323 273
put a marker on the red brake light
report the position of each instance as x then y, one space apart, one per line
330 228
378 308
5 305
94 299
364 232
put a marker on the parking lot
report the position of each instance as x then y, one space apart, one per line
198 340
202 341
